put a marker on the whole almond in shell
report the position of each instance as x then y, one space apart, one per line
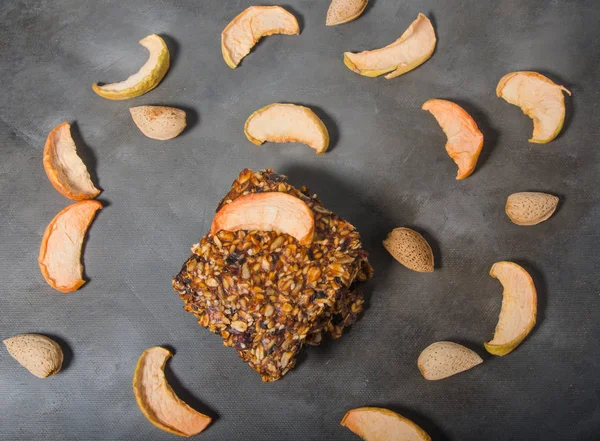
159 122
530 208
343 11
410 249
443 359
37 353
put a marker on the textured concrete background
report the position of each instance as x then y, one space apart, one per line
387 168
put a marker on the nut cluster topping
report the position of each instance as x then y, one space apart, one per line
265 294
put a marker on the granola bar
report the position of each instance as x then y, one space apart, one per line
265 294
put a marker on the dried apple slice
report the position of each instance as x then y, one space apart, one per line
158 402
539 98
465 141
519 308
243 32
287 123
343 11
443 359
270 211
377 424
60 252
146 79
64 168
159 122
411 50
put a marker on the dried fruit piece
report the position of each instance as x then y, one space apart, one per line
443 359
465 141
158 402
411 50
146 79
287 123
159 122
519 308
530 208
377 424
60 252
37 353
539 98
65 170
410 249
271 211
343 11
243 32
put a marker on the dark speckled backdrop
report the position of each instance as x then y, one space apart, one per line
387 168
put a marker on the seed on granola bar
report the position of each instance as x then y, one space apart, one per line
239 326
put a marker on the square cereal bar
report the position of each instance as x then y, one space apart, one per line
266 294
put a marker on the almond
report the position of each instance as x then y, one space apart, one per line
410 249
530 208
159 122
445 358
37 353
343 11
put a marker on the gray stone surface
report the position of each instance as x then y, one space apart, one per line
387 168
